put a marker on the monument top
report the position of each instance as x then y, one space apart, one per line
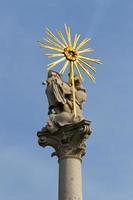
72 54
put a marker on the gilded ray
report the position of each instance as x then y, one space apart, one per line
42 45
85 41
79 73
62 37
85 51
55 55
68 35
54 37
53 43
87 64
53 64
76 38
64 67
95 60
87 72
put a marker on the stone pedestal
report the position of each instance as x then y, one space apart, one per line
69 145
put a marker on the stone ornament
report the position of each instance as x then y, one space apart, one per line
68 140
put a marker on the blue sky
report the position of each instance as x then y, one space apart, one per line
26 170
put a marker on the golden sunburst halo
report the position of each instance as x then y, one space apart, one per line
72 54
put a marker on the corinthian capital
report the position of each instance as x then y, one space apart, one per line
68 141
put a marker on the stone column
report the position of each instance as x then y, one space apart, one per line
69 145
70 179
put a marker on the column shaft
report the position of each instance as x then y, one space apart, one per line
70 179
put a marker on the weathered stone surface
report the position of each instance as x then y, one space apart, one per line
61 101
70 179
68 141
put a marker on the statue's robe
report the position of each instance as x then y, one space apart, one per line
56 92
